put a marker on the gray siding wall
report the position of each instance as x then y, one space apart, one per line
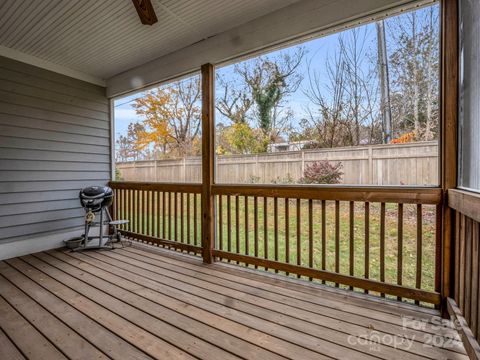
54 140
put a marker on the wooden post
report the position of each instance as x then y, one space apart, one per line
448 144
208 160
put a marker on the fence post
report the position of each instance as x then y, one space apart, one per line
155 169
208 160
303 164
370 165
184 169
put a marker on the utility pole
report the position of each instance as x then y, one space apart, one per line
384 83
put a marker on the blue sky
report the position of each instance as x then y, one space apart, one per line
317 51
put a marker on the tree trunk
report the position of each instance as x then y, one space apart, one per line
415 79
384 83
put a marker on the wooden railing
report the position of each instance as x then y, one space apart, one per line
384 241
466 278
160 214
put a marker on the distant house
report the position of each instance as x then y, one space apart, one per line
290 146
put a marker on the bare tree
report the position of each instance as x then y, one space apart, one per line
414 59
360 85
330 100
270 80
344 100
234 101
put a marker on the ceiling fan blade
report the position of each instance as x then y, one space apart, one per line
145 11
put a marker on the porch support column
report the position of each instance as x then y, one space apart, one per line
208 158
449 152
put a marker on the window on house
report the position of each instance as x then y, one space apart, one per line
469 99
356 107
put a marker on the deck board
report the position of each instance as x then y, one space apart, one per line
144 302
8 350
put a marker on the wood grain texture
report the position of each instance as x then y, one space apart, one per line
340 193
157 303
145 11
208 161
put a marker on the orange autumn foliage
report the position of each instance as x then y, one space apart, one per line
403 139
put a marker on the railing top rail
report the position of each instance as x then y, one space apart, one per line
387 194
169 187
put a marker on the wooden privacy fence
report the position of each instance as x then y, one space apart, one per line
392 164
384 241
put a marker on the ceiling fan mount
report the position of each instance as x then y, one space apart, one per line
145 11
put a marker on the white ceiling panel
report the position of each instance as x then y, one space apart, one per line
105 38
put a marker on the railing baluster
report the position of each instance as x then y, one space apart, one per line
418 279
324 236
382 244
352 240
287 232
164 210
438 247
182 222
247 245
310 234
400 247
229 224
275 229
367 242
125 208
169 215
265 228
175 215
128 216
114 206
148 212
299 236
122 207
237 224
144 212
157 232
129 210
195 212
120 204
189 240
220 223
255 227
337 238
137 218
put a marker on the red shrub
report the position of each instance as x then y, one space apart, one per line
322 172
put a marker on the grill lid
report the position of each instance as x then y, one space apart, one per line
96 191
94 198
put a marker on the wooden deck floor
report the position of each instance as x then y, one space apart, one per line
141 303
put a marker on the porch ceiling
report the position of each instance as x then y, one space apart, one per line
105 38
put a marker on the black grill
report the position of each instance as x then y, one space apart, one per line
95 198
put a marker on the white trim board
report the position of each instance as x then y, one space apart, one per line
293 23
47 65
42 242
